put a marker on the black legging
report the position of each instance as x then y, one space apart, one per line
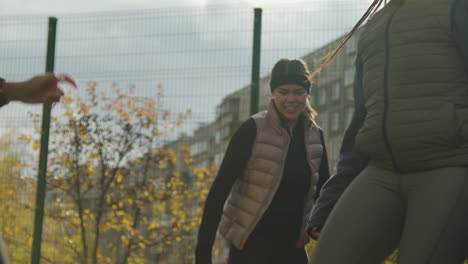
259 250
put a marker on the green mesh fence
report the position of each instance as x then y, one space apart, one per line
22 54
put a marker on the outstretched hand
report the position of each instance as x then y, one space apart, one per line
42 88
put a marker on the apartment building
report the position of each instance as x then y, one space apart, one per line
331 97
332 94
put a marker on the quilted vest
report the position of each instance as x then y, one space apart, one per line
254 190
415 88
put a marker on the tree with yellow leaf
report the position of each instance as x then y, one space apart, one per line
114 195
16 197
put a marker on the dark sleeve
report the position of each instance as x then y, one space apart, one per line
351 162
3 100
233 164
324 170
460 29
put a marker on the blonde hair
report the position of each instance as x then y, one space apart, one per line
308 108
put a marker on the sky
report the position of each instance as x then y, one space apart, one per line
52 7
198 50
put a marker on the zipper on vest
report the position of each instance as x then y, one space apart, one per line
285 125
386 101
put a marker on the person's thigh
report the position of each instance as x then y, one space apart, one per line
366 223
436 225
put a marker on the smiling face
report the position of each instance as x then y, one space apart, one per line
290 101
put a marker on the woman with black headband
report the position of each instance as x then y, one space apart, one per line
271 170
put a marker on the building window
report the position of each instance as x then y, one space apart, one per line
322 97
350 93
218 158
225 132
335 122
349 116
335 151
199 147
202 164
335 91
349 76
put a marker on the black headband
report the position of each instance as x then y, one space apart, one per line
300 80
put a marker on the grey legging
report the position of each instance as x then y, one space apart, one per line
424 214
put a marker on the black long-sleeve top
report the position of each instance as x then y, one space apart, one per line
352 162
283 218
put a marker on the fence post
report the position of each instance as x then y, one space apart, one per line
41 180
255 85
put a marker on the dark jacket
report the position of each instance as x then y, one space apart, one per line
352 161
